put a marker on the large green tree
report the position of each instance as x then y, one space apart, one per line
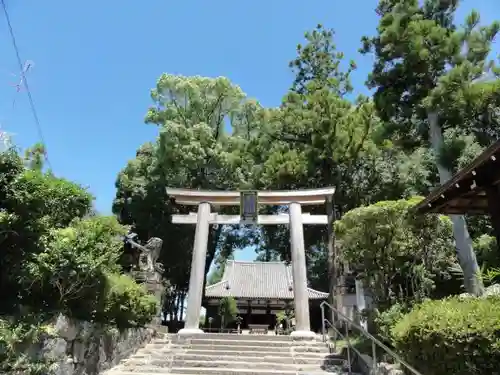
317 138
201 145
142 202
425 75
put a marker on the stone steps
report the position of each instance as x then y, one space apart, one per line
219 371
221 345
236 337
277 364
235 353
200 371
160 358
226 354
242 348
235 343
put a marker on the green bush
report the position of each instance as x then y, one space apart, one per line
11 166
33 204
15 338
78 270
398 254
35 195
126 303
69 275
387 319
452 336
58 260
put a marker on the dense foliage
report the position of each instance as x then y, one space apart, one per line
56 258
434 108
427 75
399 254
59 259
193 150
432 111
452 336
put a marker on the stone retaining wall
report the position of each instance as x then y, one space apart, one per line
365 363
83 348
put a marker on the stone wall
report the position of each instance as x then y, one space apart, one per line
82 348
388 369
365 363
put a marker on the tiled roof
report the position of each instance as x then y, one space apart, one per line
270 280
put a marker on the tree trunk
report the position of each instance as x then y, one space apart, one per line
463 242
331 259
183 299
176 308
172 305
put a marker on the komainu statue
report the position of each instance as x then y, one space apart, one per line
153 247
150 252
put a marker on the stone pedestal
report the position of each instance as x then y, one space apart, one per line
153 283
303 334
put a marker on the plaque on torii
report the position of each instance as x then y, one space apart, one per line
249 207
249 202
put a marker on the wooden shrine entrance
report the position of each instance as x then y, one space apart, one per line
249 203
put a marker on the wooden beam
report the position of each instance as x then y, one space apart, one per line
232 198
279 219
268 202
481 172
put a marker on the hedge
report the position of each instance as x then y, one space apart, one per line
452 336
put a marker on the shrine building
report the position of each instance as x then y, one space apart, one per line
261 290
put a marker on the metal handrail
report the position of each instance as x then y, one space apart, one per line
349 346
375 342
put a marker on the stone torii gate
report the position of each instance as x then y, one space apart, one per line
249 202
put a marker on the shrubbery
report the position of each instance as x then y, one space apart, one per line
127 304
386 320
33 204
15 338
399 255
459 336
57 259
78 275
68 276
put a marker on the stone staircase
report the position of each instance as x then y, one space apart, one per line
230 354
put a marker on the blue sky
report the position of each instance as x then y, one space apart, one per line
95 62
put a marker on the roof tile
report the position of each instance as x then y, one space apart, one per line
272 280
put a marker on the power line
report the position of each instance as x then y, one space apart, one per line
25 81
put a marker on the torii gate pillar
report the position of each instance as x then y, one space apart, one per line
295 218
197 274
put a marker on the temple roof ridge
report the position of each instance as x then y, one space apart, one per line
257 280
